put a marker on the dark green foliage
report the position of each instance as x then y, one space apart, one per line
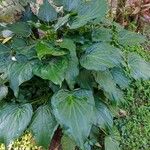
70 76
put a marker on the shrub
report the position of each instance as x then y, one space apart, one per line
63 67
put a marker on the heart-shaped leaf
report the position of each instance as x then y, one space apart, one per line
74 112
14 119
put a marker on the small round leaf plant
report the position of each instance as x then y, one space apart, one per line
63 66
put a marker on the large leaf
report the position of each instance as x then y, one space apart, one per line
54 71
14 119
139 69
20 29
107 83
101 56
44 49
69 4
19 73
104 118
3 91
130 38
74 112
85 79
4 50
102 35
47 12
120 77
43 126
89 10
73 70
111 143
61 21
67 143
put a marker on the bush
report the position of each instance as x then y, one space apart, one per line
63 68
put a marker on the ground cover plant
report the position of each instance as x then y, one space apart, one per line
64 69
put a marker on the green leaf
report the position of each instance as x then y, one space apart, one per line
67 143
44 49
125 36
73 70
102 35
139 69
61 21
54 71
43 126
88 11
74 112
4 50
101 56
47 12
104 118
19 73
14 119
69 4
18 43
111 143
3 91
85 79
107 83
20 29
120 77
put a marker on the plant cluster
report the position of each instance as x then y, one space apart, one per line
63 67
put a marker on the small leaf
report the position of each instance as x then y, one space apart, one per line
111 143
20 29
74 112
139 69
19 73
67 143
3 91
54 71
14 119
120 77
43 126
104 118
47 12
44 49
101 56
87 11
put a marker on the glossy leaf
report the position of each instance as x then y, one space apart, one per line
67 143
120 77
14 119
73 70
54 71
43 126
20 29
44 49
61 21
87 11
68 4
130 38
139 69
106 82
111 143
19 73
74 112
102 35
101 56
104 118
3 91
47 12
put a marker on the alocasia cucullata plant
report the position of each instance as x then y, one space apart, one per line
64 66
